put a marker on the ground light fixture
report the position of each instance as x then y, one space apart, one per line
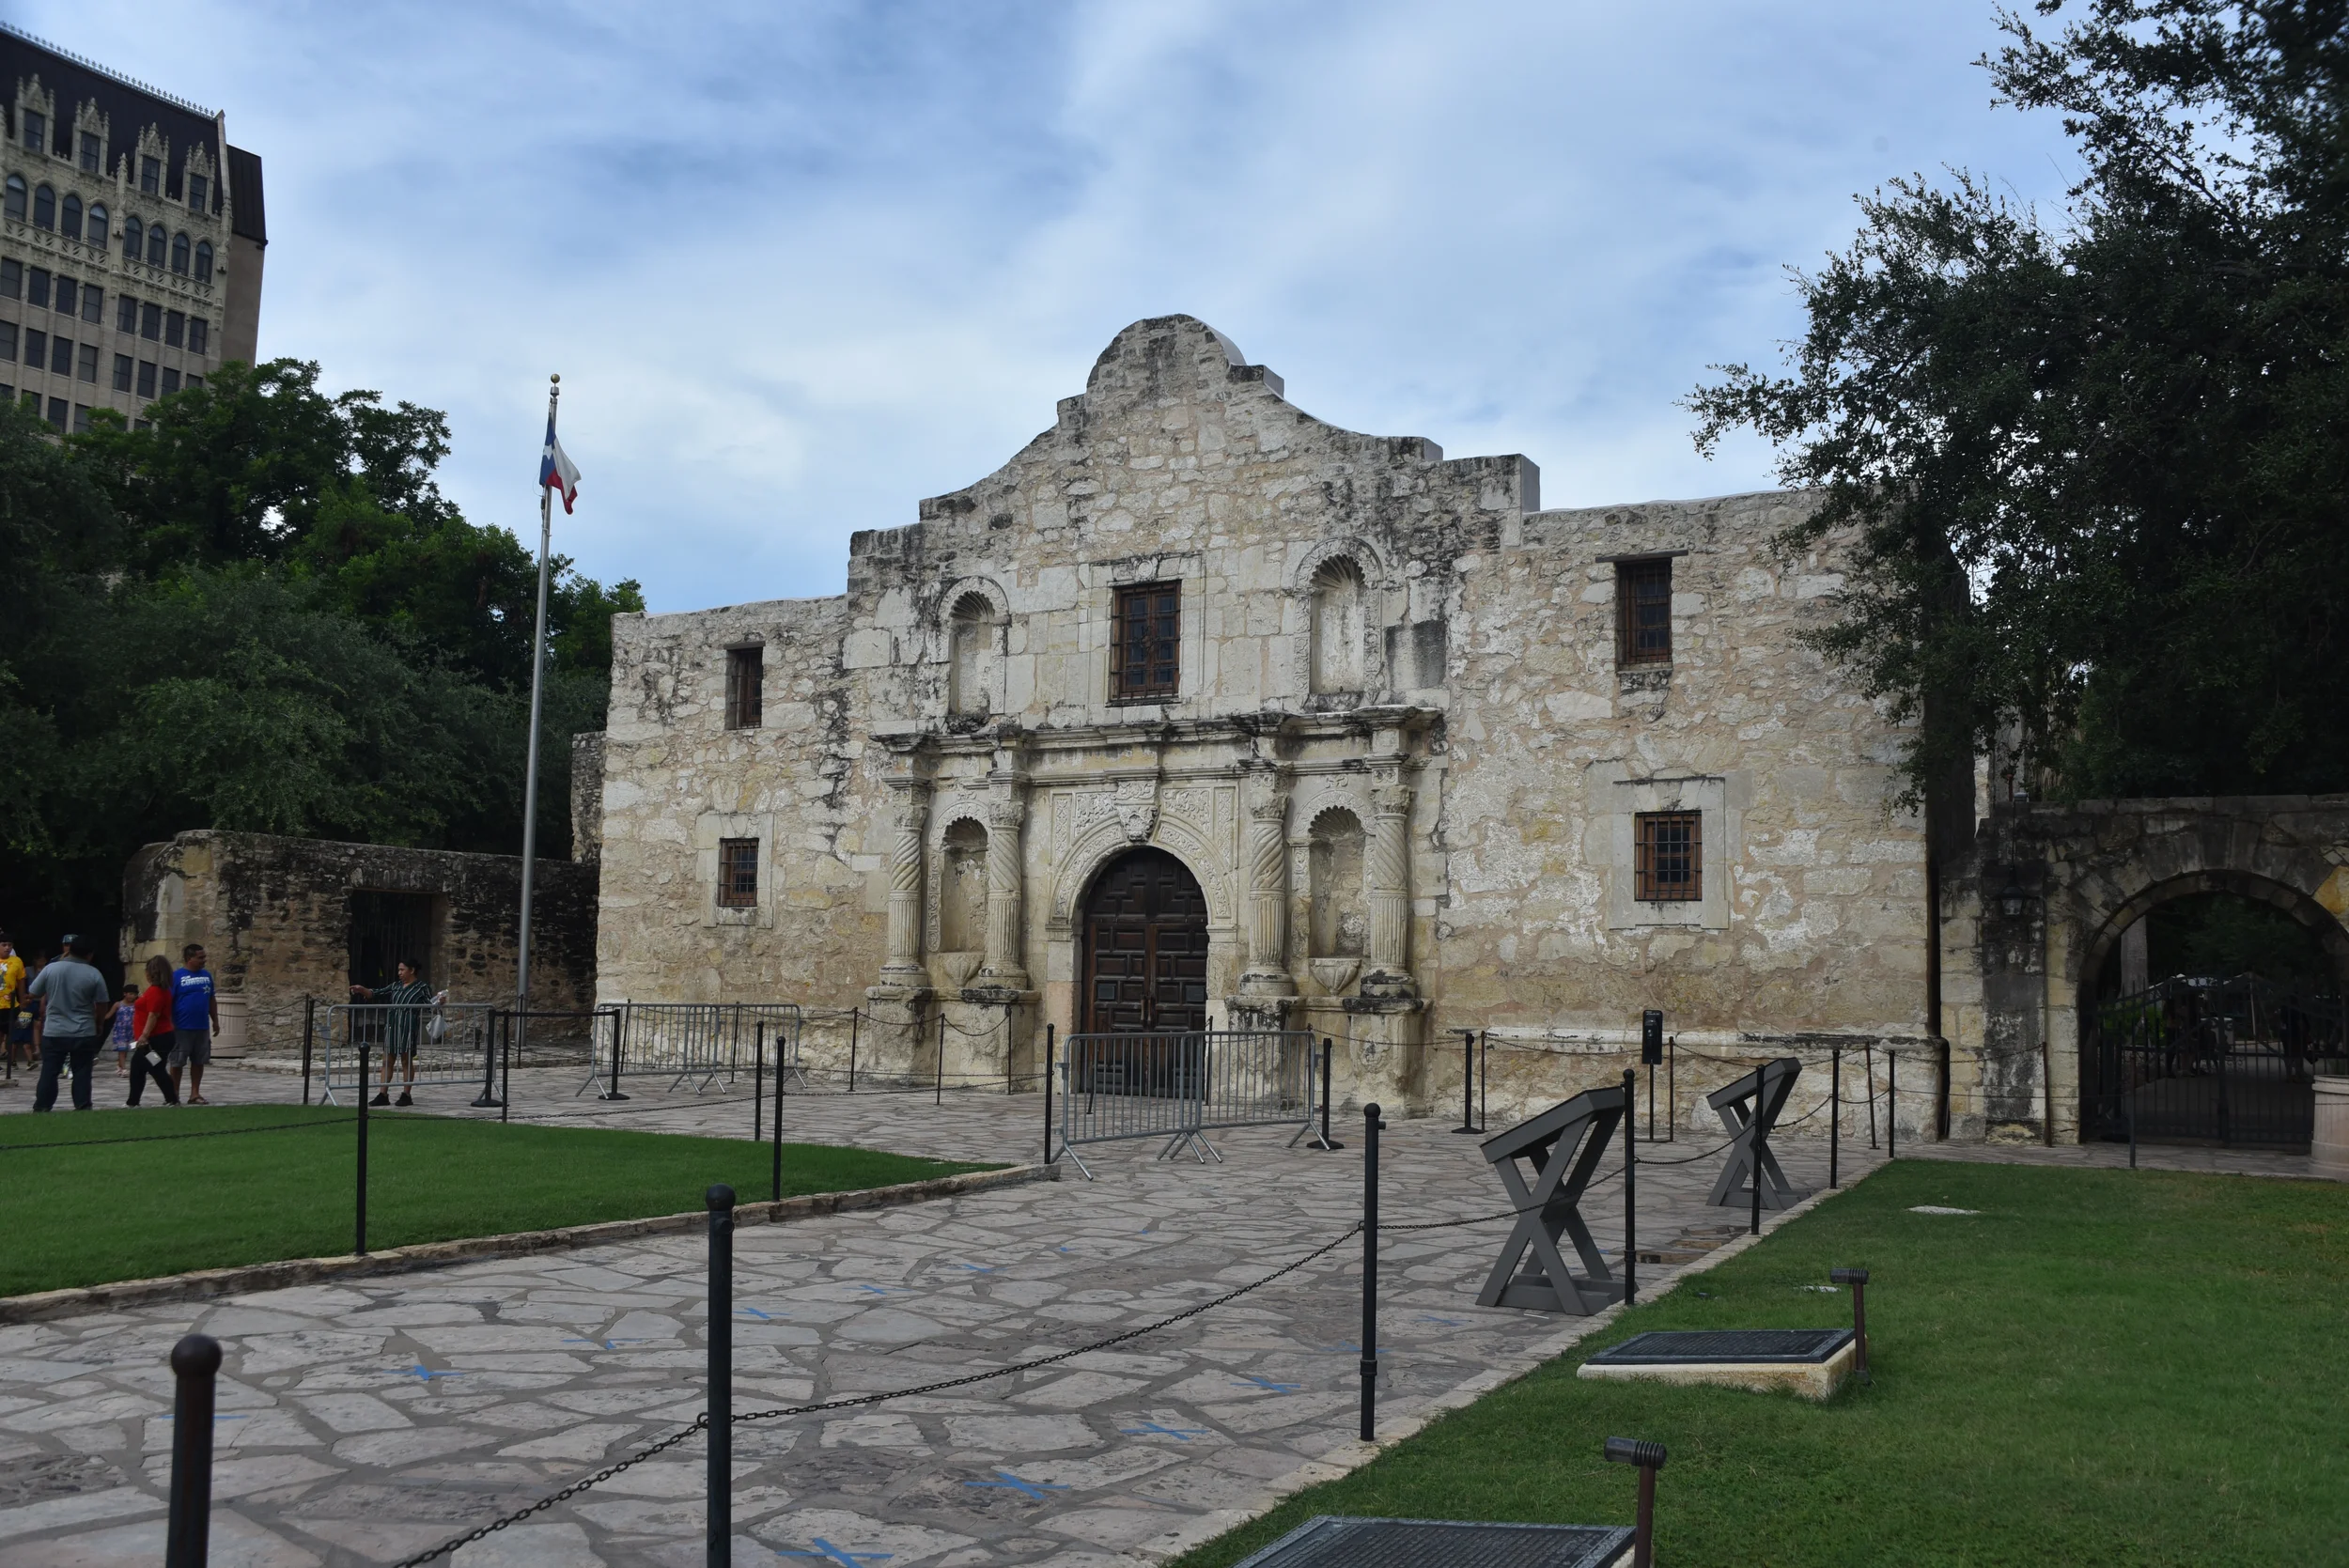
1857 1279
1650 1458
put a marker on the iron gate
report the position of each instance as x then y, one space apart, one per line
2195 1061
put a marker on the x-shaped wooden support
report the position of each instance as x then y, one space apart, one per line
1562 1147
1749 1109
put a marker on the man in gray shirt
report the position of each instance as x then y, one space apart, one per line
75 1001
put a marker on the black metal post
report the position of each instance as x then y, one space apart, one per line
619 1043
1651 1102
1753 1165
1835 1115
1891 1104
720 1550
1857 1279
361 1243
938 1095
758 1086
1327 1144
1049 1043
1630 1197
1467 1079
2132 1130
195 1363
777 1157
1371 1126
505 1069
1868 1072
309 1027
1649 1457
488 1098
854 1015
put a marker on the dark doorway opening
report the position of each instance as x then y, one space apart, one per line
385 928
1146 947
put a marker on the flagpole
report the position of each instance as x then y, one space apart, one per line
537 692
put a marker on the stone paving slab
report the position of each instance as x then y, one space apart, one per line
367 1419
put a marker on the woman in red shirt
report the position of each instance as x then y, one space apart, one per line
150 1034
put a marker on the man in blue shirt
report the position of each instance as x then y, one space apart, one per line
195 1016
74 1000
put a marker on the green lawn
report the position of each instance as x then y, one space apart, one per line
2102 1367
162 1205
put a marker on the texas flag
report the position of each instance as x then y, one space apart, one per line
556 471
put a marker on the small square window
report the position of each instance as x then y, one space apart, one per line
738 873
1145 641
93 304
90 153
147 378
746 676
150 320
36 348
122 372
1643 611
199 335
1669 849
125 314
85 361
175 327
11 278
195 383
36 287
171 381
151 176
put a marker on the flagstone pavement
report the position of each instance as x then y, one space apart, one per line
366 1421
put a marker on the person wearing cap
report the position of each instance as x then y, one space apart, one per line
75 1003
194 1017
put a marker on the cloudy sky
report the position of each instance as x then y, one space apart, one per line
802 264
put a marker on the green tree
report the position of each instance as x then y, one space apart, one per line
2093 470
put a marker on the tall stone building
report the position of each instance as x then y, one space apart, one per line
131 239
1200 709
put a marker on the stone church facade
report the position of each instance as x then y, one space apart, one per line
1201 711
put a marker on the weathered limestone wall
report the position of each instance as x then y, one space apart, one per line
274 915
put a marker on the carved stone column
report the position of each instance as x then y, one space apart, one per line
1267 896
1004 819
909 812
1390 973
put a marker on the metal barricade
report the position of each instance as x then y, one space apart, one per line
449 1042
702 1042
1177 1086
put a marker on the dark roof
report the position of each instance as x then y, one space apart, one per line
127 105
249 220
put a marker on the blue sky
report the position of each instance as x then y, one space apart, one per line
800 265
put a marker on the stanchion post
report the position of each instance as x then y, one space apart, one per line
1753 1166
758 1086
1649 1457
1371 1128
855 1016
505 1073
1467 1079
1857 1279
488 1098
777 1157
619 1043
1892 1103
309 1030
938 1095
1631 1196
1868 1076
1835 1116
1049 1043
194 1365
719 1548
1327 1144
360 1241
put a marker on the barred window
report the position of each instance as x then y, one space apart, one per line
746 677
738 873
1669 856
1643 611
1145 641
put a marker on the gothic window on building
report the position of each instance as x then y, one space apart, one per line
69 216
180 253
972 633
1337 629
133 237
97 229
156 240
962 889
16 197
151 176
1341 917
44 206
204 261
35 131
36 287
1145 643
1668 848
199 335
196 192
92 152
746 678
737 874
1643 611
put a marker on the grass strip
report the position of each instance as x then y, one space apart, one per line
2098 1366
144 1198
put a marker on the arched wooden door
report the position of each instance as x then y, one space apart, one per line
1146 947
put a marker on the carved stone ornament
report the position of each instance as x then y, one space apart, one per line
1333 975
1137 802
